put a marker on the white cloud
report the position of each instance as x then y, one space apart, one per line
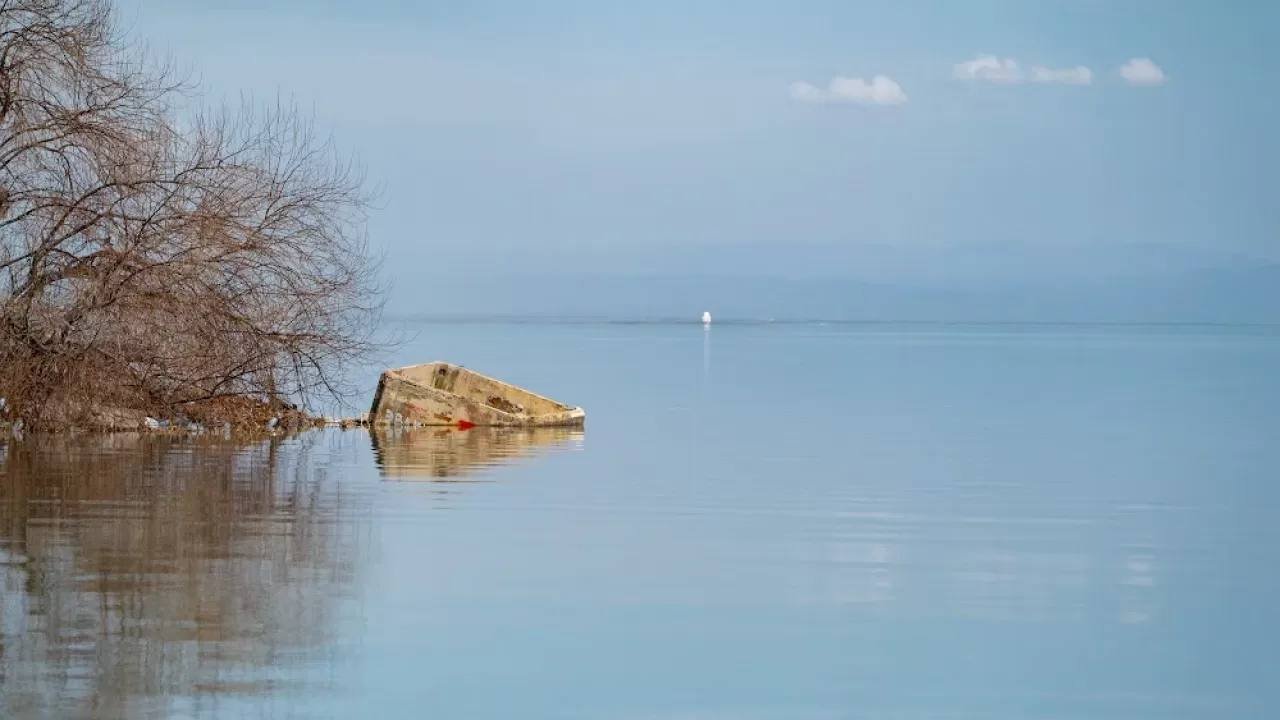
805 92
1141 71
879 91
1079 75
990 68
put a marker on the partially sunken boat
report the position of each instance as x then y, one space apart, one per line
439 393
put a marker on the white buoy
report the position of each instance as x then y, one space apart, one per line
706 318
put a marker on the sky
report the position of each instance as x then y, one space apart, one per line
802 137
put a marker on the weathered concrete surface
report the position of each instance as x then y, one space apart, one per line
442 394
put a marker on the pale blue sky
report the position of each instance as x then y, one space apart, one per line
601 135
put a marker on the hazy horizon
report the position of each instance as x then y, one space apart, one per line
1119 283
919 145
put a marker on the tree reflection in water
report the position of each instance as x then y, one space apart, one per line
144 574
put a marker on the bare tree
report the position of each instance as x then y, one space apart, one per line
152 255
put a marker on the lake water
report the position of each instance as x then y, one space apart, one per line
759 521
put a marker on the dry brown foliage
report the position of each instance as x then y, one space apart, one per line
153 254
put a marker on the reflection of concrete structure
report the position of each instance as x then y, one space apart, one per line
435 453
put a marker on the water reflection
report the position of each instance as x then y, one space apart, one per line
152 575
1012 585
896 563
706 353
447 454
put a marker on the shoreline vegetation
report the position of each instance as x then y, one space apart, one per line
231 416
164 262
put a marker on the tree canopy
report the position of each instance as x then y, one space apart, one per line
155 253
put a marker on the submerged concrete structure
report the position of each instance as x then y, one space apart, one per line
440 393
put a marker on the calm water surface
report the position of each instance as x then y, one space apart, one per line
758 522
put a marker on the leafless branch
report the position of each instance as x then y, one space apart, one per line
155 255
